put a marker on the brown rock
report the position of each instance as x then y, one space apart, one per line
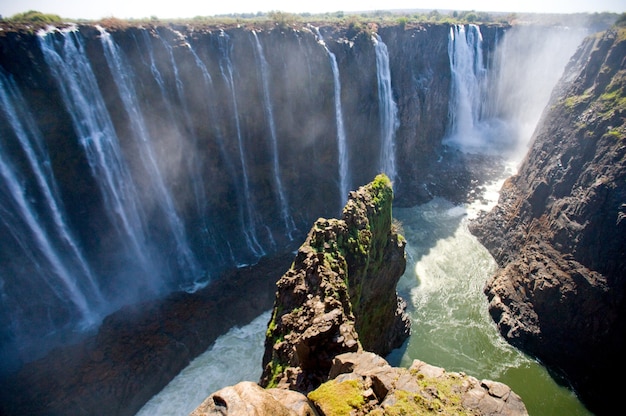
249 399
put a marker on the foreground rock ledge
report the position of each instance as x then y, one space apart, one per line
337 299
363 383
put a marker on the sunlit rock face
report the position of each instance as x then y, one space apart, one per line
558 231
339 294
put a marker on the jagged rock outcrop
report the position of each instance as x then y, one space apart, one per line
339 295
558 232
338 299
363 383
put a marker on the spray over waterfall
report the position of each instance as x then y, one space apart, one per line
179 155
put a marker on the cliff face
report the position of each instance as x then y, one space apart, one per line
337 299
339 295
216 146
558 232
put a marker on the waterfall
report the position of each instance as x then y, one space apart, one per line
342 148
52 248
468 86
388 110
247 216
185 258
193 163
494 109
93 126
284 206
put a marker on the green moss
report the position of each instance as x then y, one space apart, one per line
338 398
408 403
572 102
276 370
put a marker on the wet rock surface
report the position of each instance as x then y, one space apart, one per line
558 232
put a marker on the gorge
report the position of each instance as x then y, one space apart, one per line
143 161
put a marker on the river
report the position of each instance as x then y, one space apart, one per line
451 327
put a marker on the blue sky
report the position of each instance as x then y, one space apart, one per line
188 8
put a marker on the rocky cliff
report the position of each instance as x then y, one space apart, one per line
215 145
337 300
558 232
340 293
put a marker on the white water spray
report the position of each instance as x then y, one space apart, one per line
80 92
387 110
122 75
468 85
342 145
284 205
33 146
247 215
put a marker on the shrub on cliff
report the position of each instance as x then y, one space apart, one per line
33 16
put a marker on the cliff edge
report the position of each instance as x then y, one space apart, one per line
340 293
558 232
337 300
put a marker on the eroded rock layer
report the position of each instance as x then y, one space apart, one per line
339 295
558 232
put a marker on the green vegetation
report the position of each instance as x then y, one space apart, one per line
338 398
33 16
276 371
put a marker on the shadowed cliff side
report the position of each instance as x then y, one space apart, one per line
339 294
558 232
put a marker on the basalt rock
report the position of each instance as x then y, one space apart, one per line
339 295
363 383
558 232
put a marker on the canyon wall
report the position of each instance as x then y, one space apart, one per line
143 160
558 231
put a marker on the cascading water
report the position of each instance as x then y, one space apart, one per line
93 126
187 263
447 267
467 65
193 162
246 210
50 247
122 112
388 109
495 110
282 198
342 147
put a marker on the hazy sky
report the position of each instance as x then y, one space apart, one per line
90 9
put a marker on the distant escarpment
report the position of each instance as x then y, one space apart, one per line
336 301
558 232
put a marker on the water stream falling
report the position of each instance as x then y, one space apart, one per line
446 266
188 265
388 109
52 248
342 147
32 144
193 159
282 197
69 65
465 50
246 209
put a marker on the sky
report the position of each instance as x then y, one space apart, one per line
89 9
